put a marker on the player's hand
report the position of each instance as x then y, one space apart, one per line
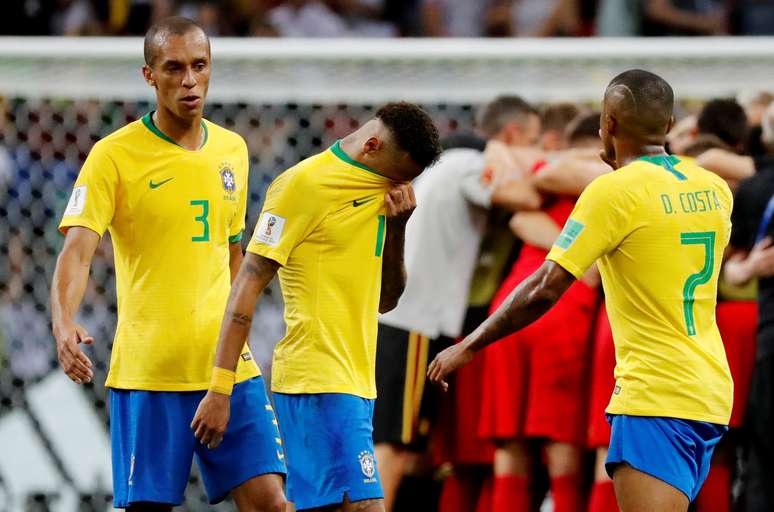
400 202
74 362
211 419
446 362
761 258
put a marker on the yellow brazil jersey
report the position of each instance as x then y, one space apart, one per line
658 227
171 214
323 221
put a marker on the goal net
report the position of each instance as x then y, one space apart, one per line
289 99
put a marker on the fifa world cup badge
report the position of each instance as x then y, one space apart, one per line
270 224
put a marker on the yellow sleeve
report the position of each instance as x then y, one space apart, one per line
292 210
238 222
597 225
93 199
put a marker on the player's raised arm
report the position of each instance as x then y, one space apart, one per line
598 223
528 302
69 284
399 203
256 272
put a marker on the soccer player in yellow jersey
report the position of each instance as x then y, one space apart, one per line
333 228
658 227
171 190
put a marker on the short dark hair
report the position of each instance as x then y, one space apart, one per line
173 25
584 126
500 111
725 119
647 101
558 116
413 130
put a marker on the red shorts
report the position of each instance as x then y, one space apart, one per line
738 325
602 381
535 382
456 439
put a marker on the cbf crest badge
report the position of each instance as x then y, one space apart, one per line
367 466
228 180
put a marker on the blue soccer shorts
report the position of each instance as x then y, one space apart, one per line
153 444
330 449
675 451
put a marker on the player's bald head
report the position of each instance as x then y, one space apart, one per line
157 35
641 103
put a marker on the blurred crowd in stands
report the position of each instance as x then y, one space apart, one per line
396 18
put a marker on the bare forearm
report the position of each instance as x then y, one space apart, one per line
235 259
727 165
393 266
68 287
516 195
737 272
71 275
528 302
254 275
535 228
569 176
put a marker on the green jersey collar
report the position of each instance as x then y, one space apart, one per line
668 162
147 120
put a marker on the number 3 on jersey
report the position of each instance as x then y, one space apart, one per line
706 239
205 211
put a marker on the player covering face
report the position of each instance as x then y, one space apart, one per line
657 228
172 189
333 228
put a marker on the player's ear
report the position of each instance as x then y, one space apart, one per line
611 124
147 74
671 124
372 144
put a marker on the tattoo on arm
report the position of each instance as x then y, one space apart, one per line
241 319
254 275
256 268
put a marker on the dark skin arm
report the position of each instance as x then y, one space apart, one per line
235 259
528 302
256 272
399 203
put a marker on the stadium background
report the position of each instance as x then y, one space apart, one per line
289 99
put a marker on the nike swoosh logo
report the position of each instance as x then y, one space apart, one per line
362 201
157 185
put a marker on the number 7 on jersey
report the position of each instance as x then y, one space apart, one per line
706 239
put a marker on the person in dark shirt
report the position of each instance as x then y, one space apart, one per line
752 257
683 17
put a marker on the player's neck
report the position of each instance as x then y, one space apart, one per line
187 133
351 146
628 153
